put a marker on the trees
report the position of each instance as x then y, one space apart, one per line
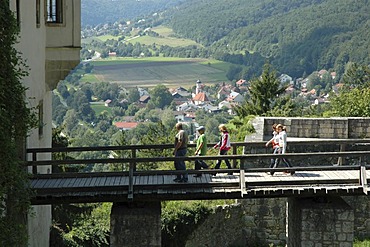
16 120
357 76
264 92
160 96
353 100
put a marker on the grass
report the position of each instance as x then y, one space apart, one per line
365 243
89 78
170 41
99 108
148 72
131 60
166 38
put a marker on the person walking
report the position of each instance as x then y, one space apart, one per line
201 150
282 137
274 141
181 144
224 146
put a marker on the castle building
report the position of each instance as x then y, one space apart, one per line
49 43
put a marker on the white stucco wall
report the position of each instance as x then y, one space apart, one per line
33 41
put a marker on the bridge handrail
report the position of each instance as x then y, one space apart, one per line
193 158
162 146
34 163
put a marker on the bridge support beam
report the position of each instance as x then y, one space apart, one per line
327 221
135 224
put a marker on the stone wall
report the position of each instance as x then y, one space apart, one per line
325 128
250 222
320 222
135 225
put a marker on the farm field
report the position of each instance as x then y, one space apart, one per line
148 72
166 38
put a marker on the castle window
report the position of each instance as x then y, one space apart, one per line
38 15
18 12
54 10
41 118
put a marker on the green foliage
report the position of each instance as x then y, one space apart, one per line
180 219
160 96
354 103
264 92
297 36
353 100
357 76
361 243
103 11
81 225
156 133
240 127
16 120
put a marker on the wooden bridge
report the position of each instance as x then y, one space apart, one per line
250 178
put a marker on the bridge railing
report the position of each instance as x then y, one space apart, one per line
241 153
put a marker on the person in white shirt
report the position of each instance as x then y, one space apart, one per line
282 140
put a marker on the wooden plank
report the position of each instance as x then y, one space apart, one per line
65 183
50 183
85 181
57 183
125 181
117 181
100 182
38 183
109 181
329 175
93 181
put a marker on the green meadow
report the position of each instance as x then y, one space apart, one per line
148 72
99 108
166 37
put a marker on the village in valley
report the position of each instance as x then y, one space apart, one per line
227 96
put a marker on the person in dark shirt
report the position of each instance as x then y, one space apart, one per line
181 145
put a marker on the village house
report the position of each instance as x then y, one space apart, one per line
107 102
241 83
235 97
144 99
284 78
200 98
187 106
126 125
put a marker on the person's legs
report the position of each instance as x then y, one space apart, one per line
197 165
272 163
287 163
218 164
181 164
178 176
277 160
203 164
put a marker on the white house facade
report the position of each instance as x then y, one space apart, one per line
50 44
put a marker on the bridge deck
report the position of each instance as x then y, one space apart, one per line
95 187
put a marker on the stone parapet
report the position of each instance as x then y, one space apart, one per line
325 128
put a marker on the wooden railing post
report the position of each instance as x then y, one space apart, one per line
363 179
34 158
130 194
342 149
242 178
235 149
131 176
